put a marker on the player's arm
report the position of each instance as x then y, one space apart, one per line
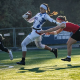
53 29
55 32
30 20
27 17
47 17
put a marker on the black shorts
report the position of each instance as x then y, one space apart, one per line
76 35
2 47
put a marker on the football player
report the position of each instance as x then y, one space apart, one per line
66 26
4 48
38 20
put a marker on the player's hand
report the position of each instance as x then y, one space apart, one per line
42 31
47 33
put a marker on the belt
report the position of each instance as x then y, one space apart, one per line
35 28
38 33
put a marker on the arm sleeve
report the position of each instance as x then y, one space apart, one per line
47 17
31 20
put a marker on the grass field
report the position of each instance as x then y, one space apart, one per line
40 65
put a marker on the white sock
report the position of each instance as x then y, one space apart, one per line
69 56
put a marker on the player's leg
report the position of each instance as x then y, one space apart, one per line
24 43
69 48
6 50
42 46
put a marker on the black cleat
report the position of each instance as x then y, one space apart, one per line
66 59
21 63
55 52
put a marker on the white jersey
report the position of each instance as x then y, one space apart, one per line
39 19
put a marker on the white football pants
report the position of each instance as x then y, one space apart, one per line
30 38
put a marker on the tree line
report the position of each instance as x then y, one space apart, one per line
11 11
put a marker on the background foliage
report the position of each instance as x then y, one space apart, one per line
11 11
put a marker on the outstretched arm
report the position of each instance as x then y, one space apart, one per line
53 29
55 32
47 17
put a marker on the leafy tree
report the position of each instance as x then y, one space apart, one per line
11 11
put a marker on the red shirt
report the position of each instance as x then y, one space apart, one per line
70 27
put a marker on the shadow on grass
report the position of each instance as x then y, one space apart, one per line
46 68
68 66
36 70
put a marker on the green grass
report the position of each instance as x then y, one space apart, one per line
40 65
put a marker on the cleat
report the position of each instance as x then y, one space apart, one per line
10 55
21 63
66 59
55 52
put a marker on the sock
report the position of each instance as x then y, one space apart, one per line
69 56
52 50
23 59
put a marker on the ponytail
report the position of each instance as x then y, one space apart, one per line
48 10
53 13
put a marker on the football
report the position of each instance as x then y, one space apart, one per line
27 15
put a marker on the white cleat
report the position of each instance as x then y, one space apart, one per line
10 55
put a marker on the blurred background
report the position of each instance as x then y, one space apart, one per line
14 28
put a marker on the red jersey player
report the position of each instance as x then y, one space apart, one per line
66 26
